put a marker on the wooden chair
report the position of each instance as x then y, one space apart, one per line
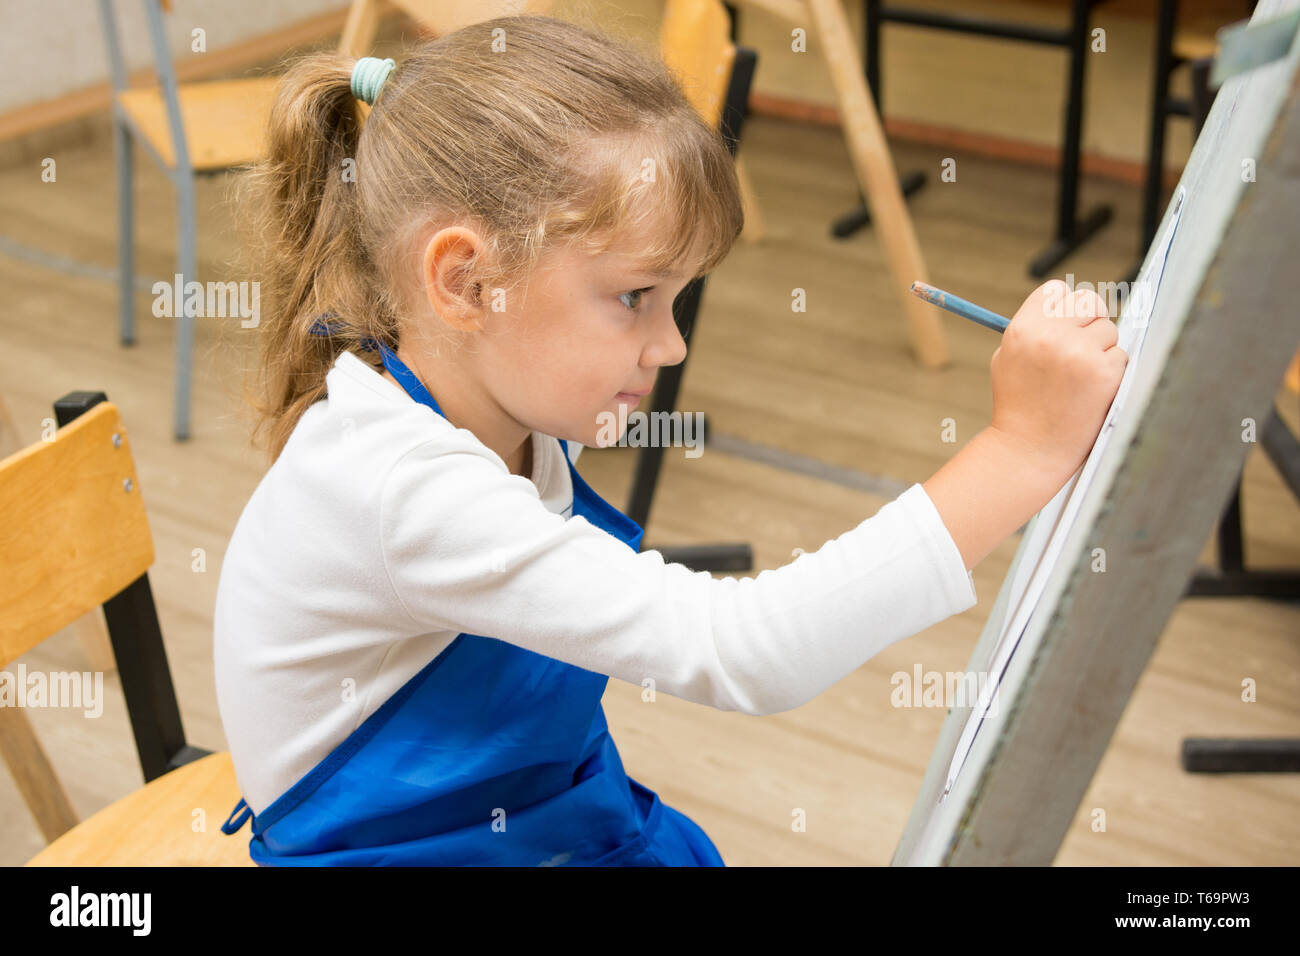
206 127
443 16
16 733
187 128
688 40
439 17
76 537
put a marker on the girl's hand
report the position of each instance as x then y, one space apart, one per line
1055 375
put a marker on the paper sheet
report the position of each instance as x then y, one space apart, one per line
1054 521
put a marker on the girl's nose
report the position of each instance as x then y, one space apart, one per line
666 347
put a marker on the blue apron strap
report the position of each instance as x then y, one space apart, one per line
228 826
406 378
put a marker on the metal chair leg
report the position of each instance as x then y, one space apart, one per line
125 233
187 266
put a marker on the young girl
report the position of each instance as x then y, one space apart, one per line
423 601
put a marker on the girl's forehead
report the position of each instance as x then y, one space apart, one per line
631 261
642 250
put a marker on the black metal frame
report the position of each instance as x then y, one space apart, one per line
1163 106
132 621
1232 578
708 557
1071 232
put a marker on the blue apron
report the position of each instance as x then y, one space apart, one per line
491 755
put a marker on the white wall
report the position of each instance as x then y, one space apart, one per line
52 47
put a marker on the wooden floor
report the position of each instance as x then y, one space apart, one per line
836 383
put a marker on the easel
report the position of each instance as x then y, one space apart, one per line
873 164
1173 459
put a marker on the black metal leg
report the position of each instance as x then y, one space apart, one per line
1202 96
1164 65
138 649
1233 579
146 682
1231 549
1260 755
1071 233
650 458
860 216
1153 188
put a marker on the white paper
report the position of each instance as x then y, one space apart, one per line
1055 520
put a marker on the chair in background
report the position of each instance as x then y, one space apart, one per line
443 16
188 128
198 128
202 128
77 537
439 17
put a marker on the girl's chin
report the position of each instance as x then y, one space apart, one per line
609 424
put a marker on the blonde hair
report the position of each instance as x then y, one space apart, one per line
541 146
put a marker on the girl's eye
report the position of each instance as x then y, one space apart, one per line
635 292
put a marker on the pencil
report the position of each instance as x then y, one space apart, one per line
958 305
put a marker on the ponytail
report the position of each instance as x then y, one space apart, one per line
302 205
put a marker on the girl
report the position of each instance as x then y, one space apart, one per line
422 601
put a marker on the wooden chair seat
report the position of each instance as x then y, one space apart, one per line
155 825
224 120
1196 37
1194 45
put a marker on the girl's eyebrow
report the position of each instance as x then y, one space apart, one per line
656 274
652 273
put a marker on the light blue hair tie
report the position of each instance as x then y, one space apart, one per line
368 76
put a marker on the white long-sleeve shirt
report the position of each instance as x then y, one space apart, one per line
382 531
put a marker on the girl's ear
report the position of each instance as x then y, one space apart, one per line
448 270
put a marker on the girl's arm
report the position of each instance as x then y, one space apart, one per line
988 490
468 547
1054 377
